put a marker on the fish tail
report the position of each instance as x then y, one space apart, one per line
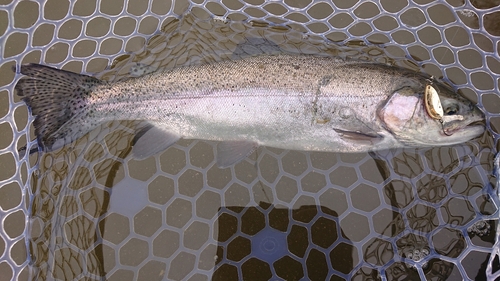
58 99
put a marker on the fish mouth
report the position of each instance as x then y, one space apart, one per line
471 130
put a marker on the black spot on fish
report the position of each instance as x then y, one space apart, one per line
325 80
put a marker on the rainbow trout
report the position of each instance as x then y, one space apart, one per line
298 102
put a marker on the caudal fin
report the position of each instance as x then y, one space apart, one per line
56 98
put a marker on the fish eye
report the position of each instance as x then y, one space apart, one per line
452 110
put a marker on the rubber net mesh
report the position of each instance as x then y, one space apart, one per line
91 212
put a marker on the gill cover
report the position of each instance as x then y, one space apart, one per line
399 110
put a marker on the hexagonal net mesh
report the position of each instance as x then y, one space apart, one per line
89 211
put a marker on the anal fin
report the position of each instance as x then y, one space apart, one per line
150 140
231 152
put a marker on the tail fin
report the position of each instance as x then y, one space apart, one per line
54 97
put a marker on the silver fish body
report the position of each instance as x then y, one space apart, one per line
298 102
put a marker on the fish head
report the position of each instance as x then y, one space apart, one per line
407 115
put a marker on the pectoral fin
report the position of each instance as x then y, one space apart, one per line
150 140
360 137
230 152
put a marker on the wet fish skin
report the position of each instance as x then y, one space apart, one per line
299 102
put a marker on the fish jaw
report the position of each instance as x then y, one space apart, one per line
472 126
440 137
464 133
